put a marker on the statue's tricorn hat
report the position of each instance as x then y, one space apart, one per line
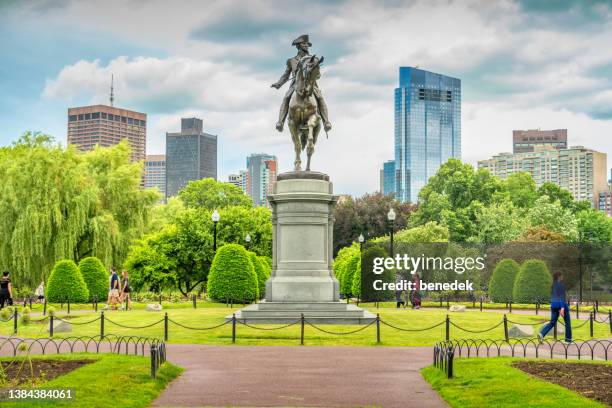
302 38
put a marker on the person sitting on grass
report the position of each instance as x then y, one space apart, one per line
558 306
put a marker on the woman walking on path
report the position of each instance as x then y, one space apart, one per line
6 290
125 291
558 306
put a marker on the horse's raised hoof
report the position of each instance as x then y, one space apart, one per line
327 126
279 126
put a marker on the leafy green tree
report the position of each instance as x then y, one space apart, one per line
66 283
429 232
553 217
356 284
237 222
95 277
594 226
499 223
232 275
261 272
521 189
57 203
532 283
540 234
211 194
348 271
367 215
556 193
164 214
501 284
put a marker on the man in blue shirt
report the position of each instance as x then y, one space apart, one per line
558 306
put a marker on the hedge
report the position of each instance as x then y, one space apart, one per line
262 273
95 277
533 282
368 294
232 276
346 276
502 280
66 283
356 284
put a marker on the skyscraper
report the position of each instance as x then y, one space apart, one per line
525 140
239 180
388 178
427 128
262 169
191 154
155 172
105 126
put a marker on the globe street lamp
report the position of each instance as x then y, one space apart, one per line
361 240
391 218
215 219
248 240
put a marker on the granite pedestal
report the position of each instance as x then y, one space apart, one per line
302 281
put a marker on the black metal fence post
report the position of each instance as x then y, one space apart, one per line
233 327
160 299
450 359
50 326
577 311
102 324
510 308
506 328
537 307
377 328
153 361
302 329
591 324
193 297
447 328
45 308
166 327
68 305
30 302
15 321
555 334
610 320
481 304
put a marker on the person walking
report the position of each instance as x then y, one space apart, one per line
125 291
558 306
40 292
113 292
415 295
6 290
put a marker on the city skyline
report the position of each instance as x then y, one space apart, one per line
218 65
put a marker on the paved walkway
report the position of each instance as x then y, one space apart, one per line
309 376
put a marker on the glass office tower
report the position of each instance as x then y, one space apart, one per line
427 128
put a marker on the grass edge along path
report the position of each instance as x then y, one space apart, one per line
493 382
113 380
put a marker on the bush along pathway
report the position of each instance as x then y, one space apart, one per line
299 376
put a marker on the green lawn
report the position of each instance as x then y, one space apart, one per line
214 314
112 381
492 382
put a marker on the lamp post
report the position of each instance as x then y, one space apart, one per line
215 219
391 218
248 240
361 240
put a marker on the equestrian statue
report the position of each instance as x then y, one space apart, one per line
303 101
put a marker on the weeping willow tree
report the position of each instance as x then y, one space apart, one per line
57 203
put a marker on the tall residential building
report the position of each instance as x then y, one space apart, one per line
262 169
524 141
605 202
239 180
387 179
191 154
427 128
155 172
106 126
580 170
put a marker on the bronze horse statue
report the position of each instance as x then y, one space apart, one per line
304 118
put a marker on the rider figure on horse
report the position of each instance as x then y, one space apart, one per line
302 43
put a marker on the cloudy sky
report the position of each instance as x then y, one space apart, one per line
523 65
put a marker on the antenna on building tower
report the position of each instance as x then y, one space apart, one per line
112 94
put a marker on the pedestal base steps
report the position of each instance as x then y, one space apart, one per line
314 312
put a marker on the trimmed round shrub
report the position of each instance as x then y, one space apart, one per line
533 282
341 259
95 277
346 276
232 276
66 283
266 261
501 284
356 285
261 272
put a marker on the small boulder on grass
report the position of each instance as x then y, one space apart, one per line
457 308
521 330
154 307
60 326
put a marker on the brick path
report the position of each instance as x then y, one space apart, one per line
310 376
